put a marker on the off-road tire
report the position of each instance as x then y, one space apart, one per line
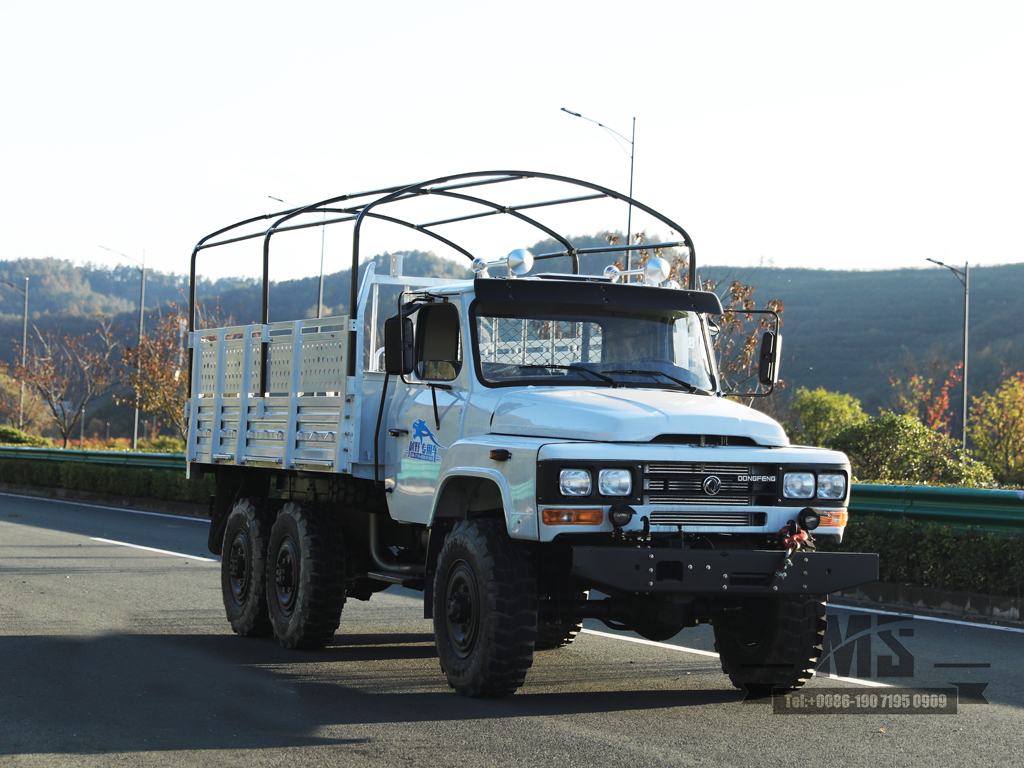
243 567
485 609
771 644
306 577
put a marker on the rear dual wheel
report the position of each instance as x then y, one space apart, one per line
243 573
306 577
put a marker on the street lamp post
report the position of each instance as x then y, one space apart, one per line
142 304
632 148
965 280
24 342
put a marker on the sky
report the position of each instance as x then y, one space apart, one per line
868 135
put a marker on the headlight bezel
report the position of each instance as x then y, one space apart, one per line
840 482
549 492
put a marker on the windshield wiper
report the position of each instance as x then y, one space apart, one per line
576 368
636 372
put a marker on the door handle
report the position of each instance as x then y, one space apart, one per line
397 432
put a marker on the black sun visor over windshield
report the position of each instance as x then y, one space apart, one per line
595 293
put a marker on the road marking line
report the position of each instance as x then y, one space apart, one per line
697 651
856 680
651 642
102 506
151 549
929 618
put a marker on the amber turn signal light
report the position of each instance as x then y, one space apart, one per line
835 519
572 516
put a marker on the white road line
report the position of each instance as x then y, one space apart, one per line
158 551
102 506
651 642
698 652
929 618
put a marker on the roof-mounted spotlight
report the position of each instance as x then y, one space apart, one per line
655 272
519 262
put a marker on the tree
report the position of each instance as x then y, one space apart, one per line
925 398
11 401
822 414
996 426
157 371
69 372
894 449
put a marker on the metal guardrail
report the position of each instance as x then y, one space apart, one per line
960 507
169 461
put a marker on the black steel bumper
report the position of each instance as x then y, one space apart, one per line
689 571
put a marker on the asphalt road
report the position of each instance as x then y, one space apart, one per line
120 655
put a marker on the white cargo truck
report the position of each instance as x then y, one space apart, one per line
529 449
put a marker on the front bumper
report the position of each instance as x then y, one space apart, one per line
743 572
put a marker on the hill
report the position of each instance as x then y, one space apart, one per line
845 331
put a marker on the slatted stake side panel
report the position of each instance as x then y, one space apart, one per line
296 422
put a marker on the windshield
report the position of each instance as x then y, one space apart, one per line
519 343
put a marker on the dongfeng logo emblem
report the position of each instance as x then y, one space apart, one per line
712 485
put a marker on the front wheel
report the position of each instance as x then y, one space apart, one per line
485 610
306 583
767 643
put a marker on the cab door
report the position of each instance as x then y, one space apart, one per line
426 414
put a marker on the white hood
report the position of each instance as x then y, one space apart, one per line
628 415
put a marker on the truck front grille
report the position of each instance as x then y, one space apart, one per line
708 485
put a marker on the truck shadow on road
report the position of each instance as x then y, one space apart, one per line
127 693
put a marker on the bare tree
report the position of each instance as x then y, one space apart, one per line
68 372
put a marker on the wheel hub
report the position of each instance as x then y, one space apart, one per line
459 610
463 612
238 567
286 574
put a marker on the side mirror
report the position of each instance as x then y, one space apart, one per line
398 346
768 360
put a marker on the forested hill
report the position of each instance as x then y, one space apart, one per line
845 331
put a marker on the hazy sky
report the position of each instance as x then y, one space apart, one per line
863 135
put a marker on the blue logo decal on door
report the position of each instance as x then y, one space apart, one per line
423 445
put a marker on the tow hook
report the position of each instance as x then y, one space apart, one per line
796 535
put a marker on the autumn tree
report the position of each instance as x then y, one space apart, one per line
996 426
926 396
69 372
157 372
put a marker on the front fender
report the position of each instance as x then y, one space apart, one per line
515 479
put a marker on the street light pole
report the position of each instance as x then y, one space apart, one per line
24 342
965 280
632 148
142 305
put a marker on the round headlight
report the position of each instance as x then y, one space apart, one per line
574 482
